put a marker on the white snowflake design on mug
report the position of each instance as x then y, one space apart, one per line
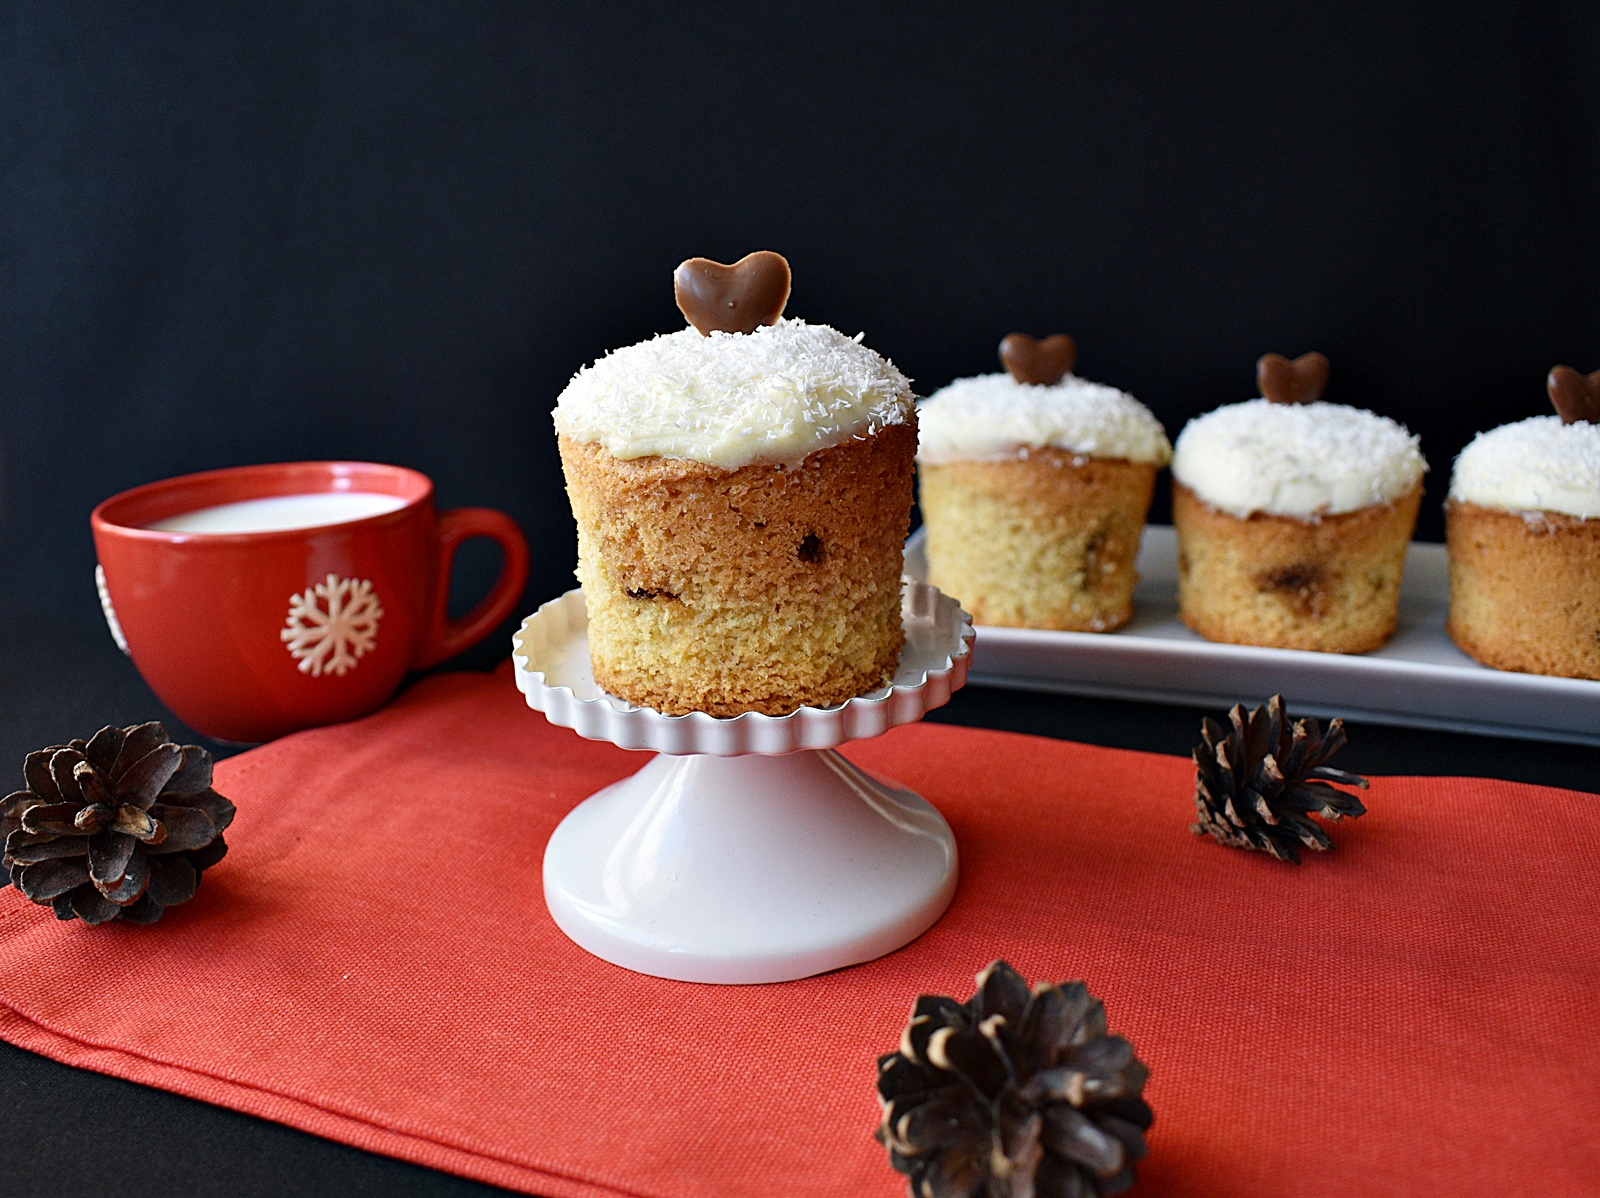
110 612
331 624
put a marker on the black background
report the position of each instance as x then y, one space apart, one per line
234 233
237 234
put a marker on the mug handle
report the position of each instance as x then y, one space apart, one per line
447 637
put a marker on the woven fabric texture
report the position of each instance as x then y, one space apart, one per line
1414 1013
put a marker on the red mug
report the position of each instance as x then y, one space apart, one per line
249 635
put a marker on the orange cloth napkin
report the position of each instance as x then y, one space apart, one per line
1414 1014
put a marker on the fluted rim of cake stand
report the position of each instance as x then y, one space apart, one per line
939 637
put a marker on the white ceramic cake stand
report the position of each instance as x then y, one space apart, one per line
748 850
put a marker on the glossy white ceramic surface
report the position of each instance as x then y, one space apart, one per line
748 869
748 851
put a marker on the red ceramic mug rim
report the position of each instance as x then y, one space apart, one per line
129 513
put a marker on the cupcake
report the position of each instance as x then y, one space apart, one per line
1523 527
742 490
1293 516
1034 486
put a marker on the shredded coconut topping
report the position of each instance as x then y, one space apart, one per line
1302 460
1534 465
994 416
729 399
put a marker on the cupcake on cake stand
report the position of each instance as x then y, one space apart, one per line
749 849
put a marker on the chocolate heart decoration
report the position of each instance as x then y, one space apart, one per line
1038 362
1575 396
1300 381
732 299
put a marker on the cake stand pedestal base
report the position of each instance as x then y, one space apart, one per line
748 869
748 851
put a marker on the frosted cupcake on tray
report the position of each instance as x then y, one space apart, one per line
742 490
1293 516
1035 485
1523 528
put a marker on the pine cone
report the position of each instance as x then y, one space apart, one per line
118 826
1013 1095
1257 782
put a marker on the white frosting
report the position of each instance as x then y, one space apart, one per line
1534 465
730 399
1302 460
994 416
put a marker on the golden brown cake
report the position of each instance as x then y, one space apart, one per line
742 502
1034 496
1292 521
1523 528
757 589
1331 585
1043 541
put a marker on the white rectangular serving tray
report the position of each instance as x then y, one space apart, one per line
1419 679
